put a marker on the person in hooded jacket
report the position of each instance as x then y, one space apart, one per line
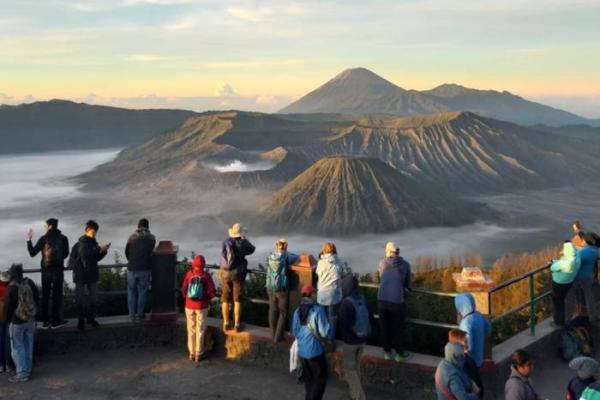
588 256
354 342
85 256
139 251
329 283
586 368
451 381
519 386
54 247
564 271
311 327
196 308
394 283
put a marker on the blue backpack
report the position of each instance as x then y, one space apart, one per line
362 322
195 289
277 278
227 255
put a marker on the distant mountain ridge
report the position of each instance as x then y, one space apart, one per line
359 90
65 125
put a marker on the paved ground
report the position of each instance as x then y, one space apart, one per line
157 374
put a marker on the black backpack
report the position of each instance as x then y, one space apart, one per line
52 253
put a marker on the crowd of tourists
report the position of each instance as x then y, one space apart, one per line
331 308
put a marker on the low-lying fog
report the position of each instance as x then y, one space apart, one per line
35 187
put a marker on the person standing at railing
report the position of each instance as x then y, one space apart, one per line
278 287
564 271
588 256
311 329
21 309
329 273
5 360
85 255
54 247
233 271
139 251
197 289
477 328
394 278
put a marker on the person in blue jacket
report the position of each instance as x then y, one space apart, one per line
588 256
311 328
564 271
477 328
451 381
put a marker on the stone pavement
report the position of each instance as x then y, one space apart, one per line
160 373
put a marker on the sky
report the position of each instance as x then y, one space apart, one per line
261 55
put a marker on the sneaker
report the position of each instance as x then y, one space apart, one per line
16 378
238 327
133 318
387 355
93 323
45 325
141 318
401 356
80 325
59 324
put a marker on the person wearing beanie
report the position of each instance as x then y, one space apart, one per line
586 369
355 328
311 329
198 289
21 306
54 247
5 359
139 251
233 271
394 283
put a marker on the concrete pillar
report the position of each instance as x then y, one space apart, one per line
164 304
302 274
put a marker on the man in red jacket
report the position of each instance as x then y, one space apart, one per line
198 289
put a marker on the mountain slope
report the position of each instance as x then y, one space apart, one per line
343 195
359 90
64 125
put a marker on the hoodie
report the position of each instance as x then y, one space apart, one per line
209 291
329 286
565 269
394 276
450 376
347 315
139 250
474 323
89 253
310 317
588 256
54 238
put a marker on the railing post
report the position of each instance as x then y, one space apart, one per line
532 316
302 274
164 306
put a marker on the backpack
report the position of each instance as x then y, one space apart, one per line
52 251
362 322
195 289
576 341
227 255
26 307
277 278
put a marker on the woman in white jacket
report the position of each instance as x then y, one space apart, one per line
329 285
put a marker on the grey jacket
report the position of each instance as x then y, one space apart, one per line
518 387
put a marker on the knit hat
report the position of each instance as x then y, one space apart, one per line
52 222
390 248
198 262
236 231
586 367
4 276
307 290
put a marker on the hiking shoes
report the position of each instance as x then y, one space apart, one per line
16 379
399 357
45 325
387 355
93 323
59 324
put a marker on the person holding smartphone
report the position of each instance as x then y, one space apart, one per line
85 255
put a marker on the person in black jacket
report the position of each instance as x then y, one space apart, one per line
22 321
353 344
84 261
139 251
234 268
54 247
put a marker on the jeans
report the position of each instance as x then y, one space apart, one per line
332 316
86 305
278 313
196 326
314 375
5 359
559 294
351 359
21 342
138 283
52 287
391 322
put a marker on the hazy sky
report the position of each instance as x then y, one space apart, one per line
262 54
